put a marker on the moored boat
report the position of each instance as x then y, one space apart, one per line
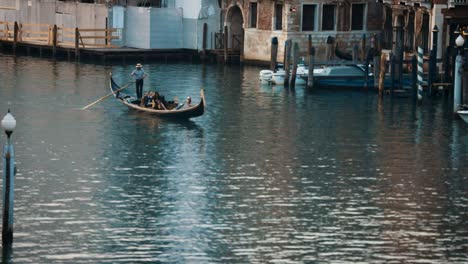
463 114
278 76
342 76
175 111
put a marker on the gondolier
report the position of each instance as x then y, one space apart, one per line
139 75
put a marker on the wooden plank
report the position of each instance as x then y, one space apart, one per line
68 43
71 36
97 45
99 37
34 38
33 25
66 29
35 32
97 29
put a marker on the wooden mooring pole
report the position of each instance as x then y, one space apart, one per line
77 44
15 36
205 35
274 53
294 66
287 61
363 47
392 73
225 42
310 77
383 61
54 41
433 72
376 39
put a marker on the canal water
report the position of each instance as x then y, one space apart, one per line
267 175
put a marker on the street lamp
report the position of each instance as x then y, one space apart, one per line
8 124
458 68
460 41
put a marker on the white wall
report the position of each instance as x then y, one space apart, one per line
191 8
138 27
438 20
47 11
166 28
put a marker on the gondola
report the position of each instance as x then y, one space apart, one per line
134 103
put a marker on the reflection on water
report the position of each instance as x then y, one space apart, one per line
266 175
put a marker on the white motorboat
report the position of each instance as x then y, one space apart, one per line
265 76
277 77
463 114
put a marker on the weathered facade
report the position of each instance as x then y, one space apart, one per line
175 25
409 23
146 24
258 21
422 21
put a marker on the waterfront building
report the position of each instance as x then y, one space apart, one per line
166 24
146 24
347 21
418 19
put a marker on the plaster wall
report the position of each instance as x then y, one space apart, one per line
85 15
257 43
193 33
191 8
166 28
438 20
137 27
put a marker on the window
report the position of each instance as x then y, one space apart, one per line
328 17
358 16
278 17
308 17
253 15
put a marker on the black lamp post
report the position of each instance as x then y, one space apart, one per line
459 42
8 125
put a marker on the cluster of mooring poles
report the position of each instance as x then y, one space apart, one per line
420 83
291 58
9 171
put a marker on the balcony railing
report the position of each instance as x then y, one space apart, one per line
453 3
409 2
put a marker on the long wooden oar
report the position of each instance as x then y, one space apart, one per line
105 96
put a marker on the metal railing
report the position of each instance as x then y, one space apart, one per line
453 3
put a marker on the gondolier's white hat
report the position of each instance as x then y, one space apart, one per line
138 65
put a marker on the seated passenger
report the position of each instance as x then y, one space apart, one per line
148 99
144 99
